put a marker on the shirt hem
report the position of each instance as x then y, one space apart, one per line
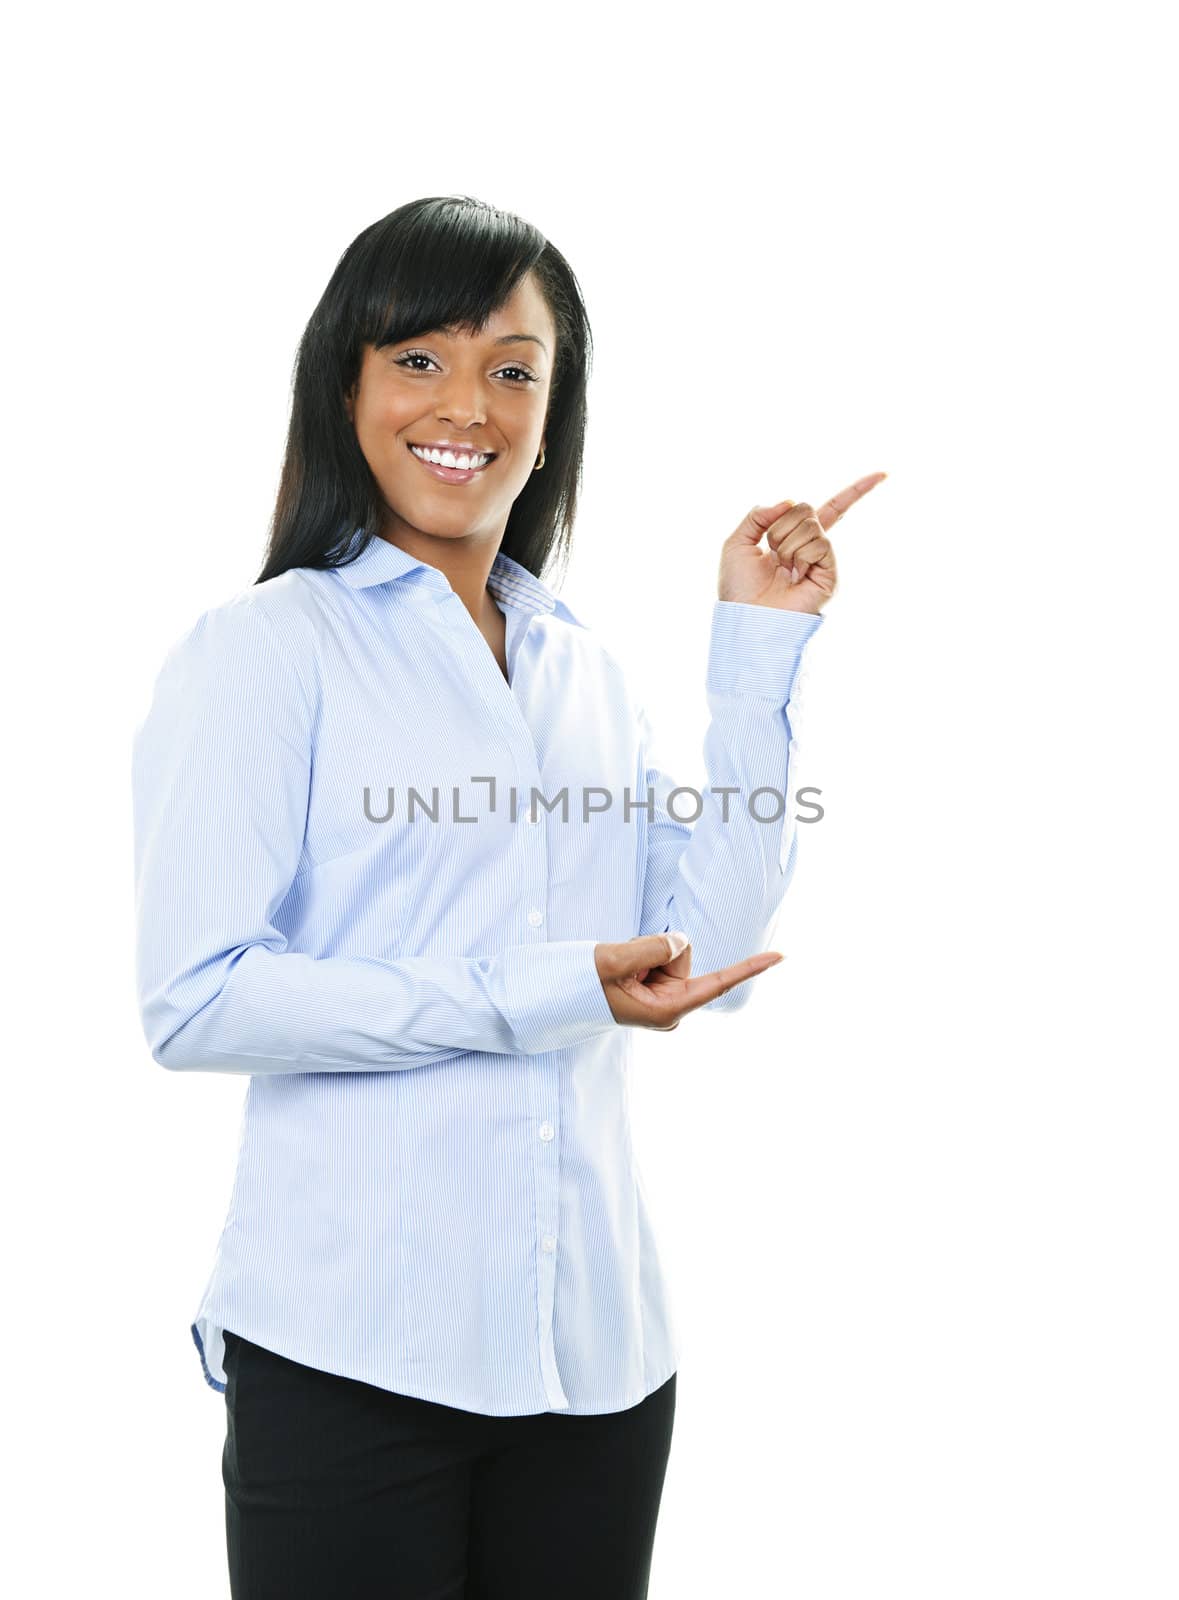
436 1399
209 1378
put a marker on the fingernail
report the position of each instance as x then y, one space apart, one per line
679 943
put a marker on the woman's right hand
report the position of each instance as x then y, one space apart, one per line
647 985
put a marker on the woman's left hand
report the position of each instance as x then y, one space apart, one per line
797 540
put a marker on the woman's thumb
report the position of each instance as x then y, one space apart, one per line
755 522
632 956
656 949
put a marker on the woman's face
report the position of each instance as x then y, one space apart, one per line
487 392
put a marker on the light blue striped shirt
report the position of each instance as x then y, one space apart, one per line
436 1190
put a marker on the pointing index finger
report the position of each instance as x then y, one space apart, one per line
711 985
830 513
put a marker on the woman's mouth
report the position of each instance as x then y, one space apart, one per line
452 466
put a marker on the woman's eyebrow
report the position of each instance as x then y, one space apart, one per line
520 338
504 338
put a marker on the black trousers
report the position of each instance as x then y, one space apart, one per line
338 1490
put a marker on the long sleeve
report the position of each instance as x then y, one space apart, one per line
721 881
221 775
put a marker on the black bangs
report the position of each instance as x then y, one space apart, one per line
448 272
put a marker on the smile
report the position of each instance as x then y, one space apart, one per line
453 466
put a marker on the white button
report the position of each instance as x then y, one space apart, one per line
546 1130
536 917
549 1242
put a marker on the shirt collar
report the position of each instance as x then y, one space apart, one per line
513 584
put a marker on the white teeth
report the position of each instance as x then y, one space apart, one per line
447 458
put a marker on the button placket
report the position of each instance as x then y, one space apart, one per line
547 1167
545 1082
541 1077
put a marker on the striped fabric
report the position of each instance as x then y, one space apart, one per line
436 1190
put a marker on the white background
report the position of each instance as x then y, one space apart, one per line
917 1203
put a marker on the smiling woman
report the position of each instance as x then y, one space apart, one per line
437 1310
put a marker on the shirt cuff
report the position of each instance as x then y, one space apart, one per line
552 995
757 650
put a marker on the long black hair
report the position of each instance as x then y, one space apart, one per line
445 261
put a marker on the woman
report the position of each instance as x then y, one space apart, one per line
403 856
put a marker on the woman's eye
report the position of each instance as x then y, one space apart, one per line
421 355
